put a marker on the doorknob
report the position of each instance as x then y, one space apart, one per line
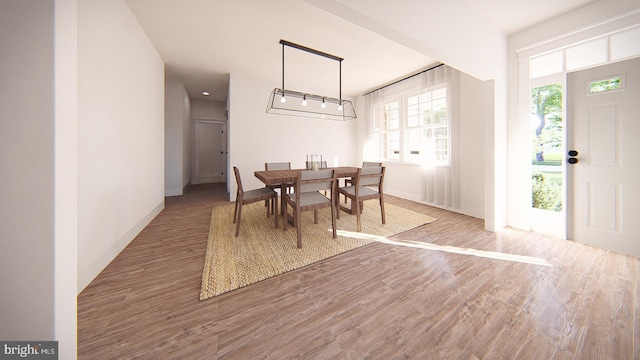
572 160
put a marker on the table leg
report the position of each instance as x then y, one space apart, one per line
283 192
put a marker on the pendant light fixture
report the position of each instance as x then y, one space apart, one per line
283 101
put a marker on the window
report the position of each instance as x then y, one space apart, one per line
606 85
413 128
386 130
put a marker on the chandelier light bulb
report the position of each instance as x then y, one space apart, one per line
340 107
323 104
304 100
283 100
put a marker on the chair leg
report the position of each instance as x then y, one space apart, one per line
382 210
298 228
274 204
357 203
333 220
235 211
268 208
239 217
285 215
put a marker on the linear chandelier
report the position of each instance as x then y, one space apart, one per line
295 103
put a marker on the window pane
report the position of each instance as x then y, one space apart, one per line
414 143
394 145
605 85
440 111
546 147
416 106
427 115
440 94
440 132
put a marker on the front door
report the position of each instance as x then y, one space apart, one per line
603 114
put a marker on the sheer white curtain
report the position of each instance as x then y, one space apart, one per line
440 180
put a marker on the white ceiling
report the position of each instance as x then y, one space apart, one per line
203 41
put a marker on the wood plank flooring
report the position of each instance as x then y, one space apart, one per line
380 301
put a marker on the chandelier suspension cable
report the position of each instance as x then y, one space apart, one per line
316 52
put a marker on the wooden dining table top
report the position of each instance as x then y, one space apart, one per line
276 177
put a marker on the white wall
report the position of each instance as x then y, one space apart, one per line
476 109
594 19
187 142
256 137
66 176
120 133
177 138
208 110
27 168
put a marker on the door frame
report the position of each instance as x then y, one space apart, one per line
519 193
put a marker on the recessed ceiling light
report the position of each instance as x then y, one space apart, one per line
205 93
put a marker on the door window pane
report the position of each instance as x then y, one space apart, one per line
600 86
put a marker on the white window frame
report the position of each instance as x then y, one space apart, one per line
403 111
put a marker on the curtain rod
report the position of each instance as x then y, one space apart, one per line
408 77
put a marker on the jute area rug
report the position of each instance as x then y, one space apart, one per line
262 251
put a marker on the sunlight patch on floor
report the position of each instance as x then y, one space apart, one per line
450 249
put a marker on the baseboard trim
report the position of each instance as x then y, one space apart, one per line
88 274
173 192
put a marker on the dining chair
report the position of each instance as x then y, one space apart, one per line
278 166
250 196
349 181
367 186
307 197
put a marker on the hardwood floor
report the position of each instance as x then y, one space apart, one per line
380 301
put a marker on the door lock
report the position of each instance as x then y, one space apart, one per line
572 159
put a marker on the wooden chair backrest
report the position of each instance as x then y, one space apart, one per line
277 166
315 180
370 176
371 164
238 181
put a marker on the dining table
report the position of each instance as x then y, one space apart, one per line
289 176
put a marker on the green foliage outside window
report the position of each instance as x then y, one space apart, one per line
546 194
605 85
